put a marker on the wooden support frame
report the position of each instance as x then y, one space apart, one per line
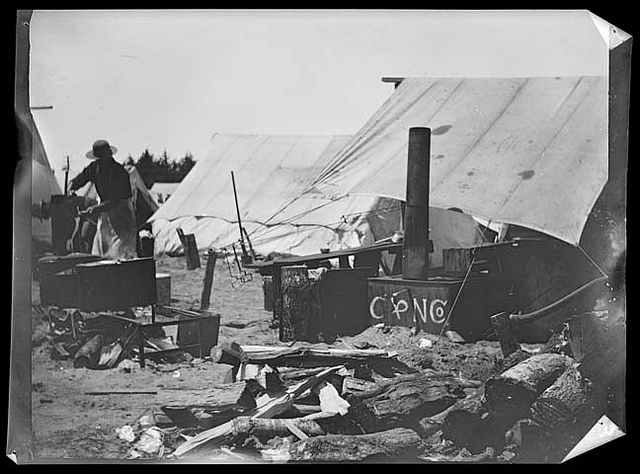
155 324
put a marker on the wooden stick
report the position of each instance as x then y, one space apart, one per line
116 392
295 430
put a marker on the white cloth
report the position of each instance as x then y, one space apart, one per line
116 233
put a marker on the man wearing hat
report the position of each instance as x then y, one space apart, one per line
116 226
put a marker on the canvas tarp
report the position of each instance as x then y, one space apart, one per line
526 151
271 171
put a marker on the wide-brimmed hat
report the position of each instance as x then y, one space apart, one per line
99 147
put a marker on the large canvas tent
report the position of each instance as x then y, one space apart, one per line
526 151
271 172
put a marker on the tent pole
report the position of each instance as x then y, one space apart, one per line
66 177
235 196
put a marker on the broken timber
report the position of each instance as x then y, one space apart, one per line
88 354
190 246
403 403
307 357
390 444
261 428
564 401
275 406
470 425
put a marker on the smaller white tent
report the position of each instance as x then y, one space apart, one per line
161 192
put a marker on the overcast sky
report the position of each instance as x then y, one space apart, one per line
170 79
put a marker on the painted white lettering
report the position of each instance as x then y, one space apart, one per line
421 311
400 307
372 307
437 311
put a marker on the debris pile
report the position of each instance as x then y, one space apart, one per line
311 404
98 341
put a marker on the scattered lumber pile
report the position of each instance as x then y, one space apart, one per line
307 404
284 405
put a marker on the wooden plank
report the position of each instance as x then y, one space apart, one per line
337 254
208 280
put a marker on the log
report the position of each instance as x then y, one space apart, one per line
470 425
383 385
564 401
390 444
110 355
510 394
352 385
529 438
487 454
264 429
220 434
88 354
432 424
404 403
297 305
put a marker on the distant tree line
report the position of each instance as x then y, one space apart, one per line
161 169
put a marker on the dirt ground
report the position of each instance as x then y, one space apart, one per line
68 423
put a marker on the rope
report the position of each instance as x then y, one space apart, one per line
464 280
592 261
290 220
365 213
